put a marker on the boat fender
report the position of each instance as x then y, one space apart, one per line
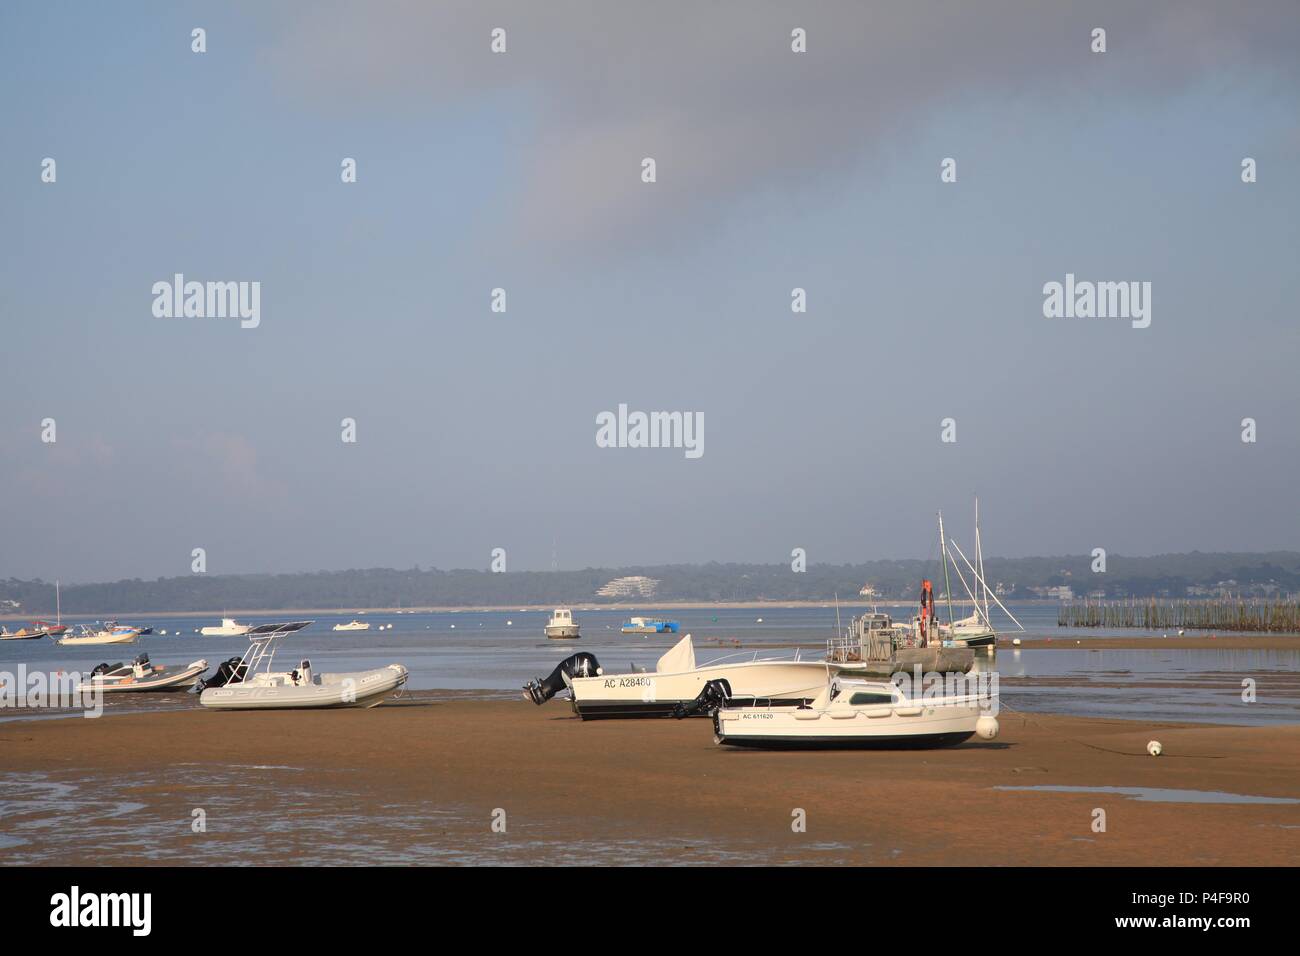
544 688
712 697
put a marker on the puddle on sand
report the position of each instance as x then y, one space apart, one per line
1163 795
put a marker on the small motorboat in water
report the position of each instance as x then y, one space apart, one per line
229 627
850 714
110 633
142 675
562 626
354 626
649 625
24 633
248 683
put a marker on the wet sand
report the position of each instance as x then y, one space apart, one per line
1234 642
661 790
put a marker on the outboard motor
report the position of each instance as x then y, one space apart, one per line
579 665
140 666
230 672
103 669
713 696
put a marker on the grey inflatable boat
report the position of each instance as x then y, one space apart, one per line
141 675
249 683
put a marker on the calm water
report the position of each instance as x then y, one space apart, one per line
500 651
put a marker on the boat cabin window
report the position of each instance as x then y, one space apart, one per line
871 697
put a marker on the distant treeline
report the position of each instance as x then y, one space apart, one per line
1173 575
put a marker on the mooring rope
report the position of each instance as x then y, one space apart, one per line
1106 750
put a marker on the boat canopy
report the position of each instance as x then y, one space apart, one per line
276 630
680 658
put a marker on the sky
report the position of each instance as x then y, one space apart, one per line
523 171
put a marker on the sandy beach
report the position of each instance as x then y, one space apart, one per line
440 764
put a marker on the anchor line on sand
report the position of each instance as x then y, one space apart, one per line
1106 750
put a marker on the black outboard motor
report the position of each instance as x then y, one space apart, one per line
230 672
713 696
142 660
104 669
579 665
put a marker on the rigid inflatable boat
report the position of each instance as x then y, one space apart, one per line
142 675
248 683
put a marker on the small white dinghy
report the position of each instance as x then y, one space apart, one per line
142 675
851 713
248 683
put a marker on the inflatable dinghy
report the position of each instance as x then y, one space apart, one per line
248 683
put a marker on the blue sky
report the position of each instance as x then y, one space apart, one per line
476 430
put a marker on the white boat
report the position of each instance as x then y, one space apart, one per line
229 627
676 680
353 626
110 633
562 625
23 634
141 675
248 683
976 629
851 713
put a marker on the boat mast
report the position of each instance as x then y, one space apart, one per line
947 589
58 605
979 561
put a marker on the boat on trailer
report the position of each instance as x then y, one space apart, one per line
142 675
248 683
851 714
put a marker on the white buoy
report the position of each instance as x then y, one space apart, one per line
509 623
759 621
453 627
1154 748
1181 632
1015 642
986 726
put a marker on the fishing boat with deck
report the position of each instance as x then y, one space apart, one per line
562 626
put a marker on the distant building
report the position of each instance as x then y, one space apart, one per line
9 605
868 591
634 586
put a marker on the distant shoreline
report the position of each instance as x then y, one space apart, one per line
645 607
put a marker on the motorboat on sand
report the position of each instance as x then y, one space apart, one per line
142 675
850 713
248 683
676 679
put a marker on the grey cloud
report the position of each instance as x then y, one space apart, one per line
713 92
